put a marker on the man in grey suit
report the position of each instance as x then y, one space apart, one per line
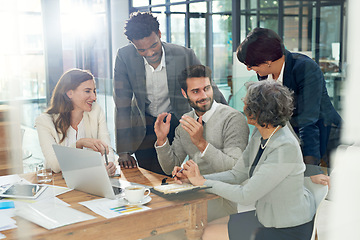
145 85
213 135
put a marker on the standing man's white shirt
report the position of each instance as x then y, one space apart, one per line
157 90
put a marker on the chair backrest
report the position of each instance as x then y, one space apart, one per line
319 192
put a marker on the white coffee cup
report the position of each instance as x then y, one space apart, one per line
135 194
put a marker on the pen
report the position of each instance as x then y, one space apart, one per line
106 159
178 172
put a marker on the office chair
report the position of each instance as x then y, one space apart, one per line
319 192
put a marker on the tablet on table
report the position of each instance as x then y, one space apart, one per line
30 191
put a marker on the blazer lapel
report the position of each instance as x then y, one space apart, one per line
87 126
139 85
170 71
56 134
287 78
254 146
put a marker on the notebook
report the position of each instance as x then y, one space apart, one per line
174 188
85 171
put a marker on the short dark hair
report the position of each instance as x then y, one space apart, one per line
193 71
268 102
260 45
140 25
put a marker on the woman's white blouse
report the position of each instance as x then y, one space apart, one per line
72 135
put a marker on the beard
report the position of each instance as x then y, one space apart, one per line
201 108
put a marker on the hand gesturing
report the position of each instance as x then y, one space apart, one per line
162 128
195 130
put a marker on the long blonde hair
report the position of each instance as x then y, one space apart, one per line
60 103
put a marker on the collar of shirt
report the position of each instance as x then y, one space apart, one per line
281 76
161 65
208 113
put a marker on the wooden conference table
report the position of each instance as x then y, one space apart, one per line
187 211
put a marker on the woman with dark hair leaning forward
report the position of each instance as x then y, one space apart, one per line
74 119
314 120
273 165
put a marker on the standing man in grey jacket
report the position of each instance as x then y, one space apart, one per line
145 85
213 135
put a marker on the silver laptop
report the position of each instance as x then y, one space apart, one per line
84 170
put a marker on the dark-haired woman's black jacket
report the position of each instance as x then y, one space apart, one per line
314 113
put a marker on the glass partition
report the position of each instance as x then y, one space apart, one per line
311 27
23 81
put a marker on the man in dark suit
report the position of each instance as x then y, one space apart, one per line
145 85
314 120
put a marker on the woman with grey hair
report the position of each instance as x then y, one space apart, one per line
273 167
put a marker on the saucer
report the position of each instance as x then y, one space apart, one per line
124 201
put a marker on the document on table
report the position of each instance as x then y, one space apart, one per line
50 215
6 222
112 208
52 191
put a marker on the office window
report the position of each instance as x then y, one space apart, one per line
139 3
155 2
222 47
178 8
311 27
85 36
207 33
266 6
22 63
198 38
177 29
219 6
199 7
161 17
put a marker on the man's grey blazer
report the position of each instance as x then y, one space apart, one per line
130 91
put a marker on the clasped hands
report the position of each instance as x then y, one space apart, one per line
98 146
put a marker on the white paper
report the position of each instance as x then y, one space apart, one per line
53 200
51 216
111 208
6 222
52 191
2 236
8 212
20 203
